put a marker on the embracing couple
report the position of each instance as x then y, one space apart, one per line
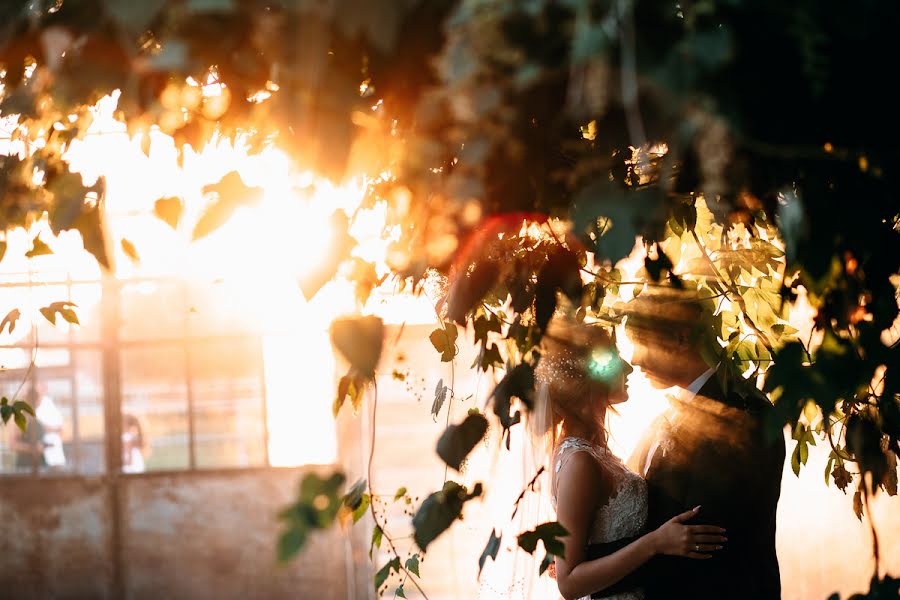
693 514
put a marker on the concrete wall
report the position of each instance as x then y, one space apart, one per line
179 535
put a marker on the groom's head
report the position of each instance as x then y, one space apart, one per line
667 327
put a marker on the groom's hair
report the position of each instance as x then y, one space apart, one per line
669 328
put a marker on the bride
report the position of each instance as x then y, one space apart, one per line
597 498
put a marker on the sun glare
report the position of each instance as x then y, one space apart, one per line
254 259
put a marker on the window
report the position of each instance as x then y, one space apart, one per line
182 364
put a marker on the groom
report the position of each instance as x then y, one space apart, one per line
710 449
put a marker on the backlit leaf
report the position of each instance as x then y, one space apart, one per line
490 550
63 309
458 440
439 511
38 248
385 571
169 210
444 341
440 395
10 320
412 565
548 533
359 340
130 250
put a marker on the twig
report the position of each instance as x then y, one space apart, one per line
529 485
737 296
384 532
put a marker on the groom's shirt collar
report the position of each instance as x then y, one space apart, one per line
687 395
692 390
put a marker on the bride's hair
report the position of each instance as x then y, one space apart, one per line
564 377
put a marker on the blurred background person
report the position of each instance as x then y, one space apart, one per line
132 445
51 420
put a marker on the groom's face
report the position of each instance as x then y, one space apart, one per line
666 363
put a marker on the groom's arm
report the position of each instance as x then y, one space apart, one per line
628 583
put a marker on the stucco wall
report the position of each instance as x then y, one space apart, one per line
181 535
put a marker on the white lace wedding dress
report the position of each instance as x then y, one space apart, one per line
626 512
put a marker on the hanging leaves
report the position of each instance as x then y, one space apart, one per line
412 565
458 440
468 289
444 341
316 508
94 234
63 309
439 511
231 193
169 210
38 248
490 550
338 250
9 321
548 533
359 340
15 411
351 386
440 395
517 383
130 251
561 272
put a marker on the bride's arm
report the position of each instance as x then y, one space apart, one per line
580 491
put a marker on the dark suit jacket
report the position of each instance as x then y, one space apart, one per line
717 456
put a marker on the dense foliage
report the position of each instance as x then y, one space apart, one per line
750 144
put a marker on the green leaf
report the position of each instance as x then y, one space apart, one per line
439 511
10 320
385 571
412 565
548 533
490 550
317 507
169 210
23 407
38 248
290 543
363 507
400 593
377 535
401 491
354 496
20 420
458 440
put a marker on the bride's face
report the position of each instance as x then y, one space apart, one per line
610 375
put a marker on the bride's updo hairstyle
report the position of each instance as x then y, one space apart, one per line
578 360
